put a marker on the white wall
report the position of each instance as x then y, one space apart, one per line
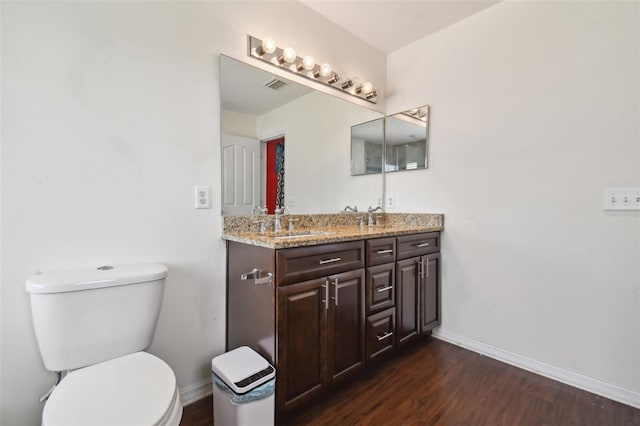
238 124
534 113
110 116
317 131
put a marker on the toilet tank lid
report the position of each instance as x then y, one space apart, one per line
92 278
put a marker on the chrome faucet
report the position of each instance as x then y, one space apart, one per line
353 209
259 210
370 221
276 220
262 227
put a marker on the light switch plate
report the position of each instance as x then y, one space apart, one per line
622 198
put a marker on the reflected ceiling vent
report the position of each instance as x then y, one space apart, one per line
275 84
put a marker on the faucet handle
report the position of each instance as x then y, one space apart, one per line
361 219
262 226
291 220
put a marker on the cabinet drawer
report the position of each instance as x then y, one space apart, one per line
306 263
380 287
380 250
380 339
418 244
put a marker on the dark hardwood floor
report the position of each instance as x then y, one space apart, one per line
436 383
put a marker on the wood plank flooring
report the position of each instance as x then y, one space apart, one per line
437 383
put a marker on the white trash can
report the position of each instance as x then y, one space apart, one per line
243 389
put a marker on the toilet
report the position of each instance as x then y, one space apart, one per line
94 324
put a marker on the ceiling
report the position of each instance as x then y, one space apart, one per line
390 25
244 88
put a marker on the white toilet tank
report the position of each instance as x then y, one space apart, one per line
85 316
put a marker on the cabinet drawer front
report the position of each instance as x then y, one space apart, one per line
380 287
380 338
380 250
305 263
418 244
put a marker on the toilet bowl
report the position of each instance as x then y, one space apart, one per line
94 324
136 389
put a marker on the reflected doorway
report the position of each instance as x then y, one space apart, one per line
274 173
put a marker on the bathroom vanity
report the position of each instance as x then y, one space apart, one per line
324 304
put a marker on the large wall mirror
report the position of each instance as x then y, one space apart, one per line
367 146
407 140
284 143
403 137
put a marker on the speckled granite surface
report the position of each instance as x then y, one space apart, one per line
326 228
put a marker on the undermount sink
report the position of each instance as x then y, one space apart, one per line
294 234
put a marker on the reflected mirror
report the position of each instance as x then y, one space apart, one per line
284 143
407 135
366 147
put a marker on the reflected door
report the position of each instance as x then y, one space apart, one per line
275 174
240 175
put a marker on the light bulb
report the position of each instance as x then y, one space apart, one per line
289 55
324 71
365 88
269 45
307 63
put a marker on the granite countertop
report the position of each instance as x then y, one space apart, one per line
325 235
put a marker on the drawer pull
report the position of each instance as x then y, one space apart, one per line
381 289
422 245
335 259
258 277
385 335
385 251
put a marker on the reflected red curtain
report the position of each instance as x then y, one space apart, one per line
275 174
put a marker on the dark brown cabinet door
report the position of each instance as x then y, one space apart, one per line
407 300
302 343
430 292
346 328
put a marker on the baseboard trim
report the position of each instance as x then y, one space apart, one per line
195 392
616 393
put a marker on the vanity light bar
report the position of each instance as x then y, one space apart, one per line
267 51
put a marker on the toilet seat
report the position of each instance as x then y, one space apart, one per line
136 389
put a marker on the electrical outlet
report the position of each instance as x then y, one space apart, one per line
622 199
203 197
391 201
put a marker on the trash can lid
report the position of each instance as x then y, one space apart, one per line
242 369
